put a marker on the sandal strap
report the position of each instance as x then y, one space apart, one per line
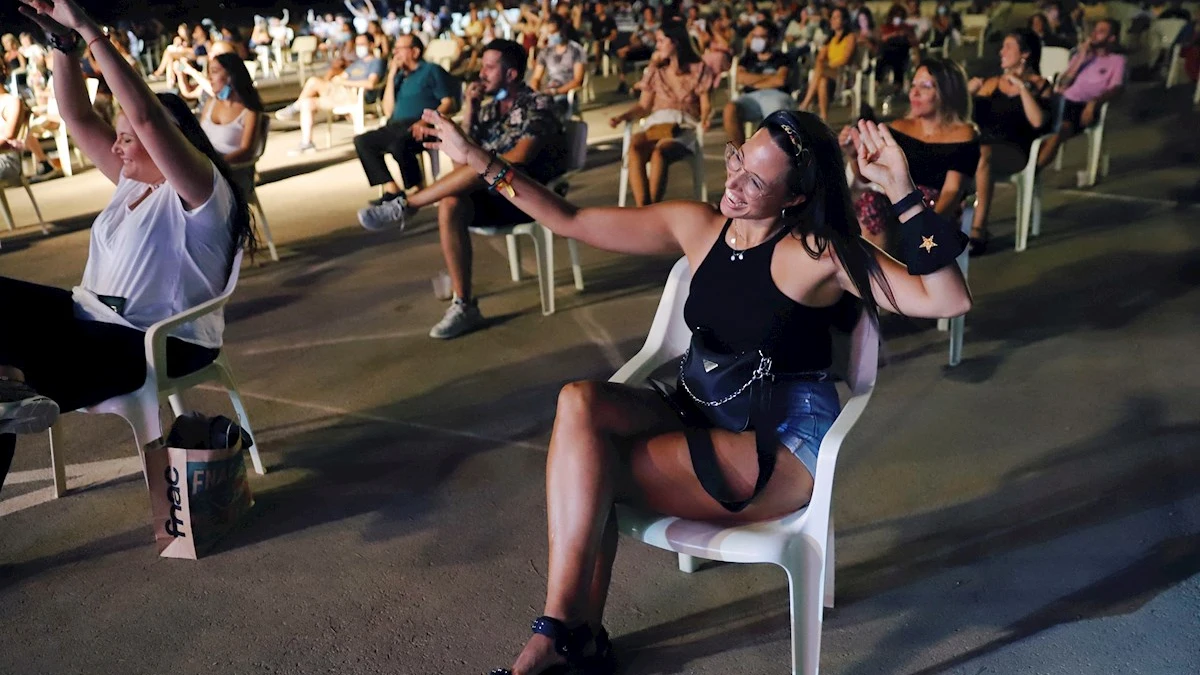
568 642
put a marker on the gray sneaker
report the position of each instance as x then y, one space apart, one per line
23 410
385 216
461 317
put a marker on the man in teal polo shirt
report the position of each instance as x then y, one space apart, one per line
413 84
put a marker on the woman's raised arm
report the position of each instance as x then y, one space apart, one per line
187 169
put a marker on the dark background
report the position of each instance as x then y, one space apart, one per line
240 12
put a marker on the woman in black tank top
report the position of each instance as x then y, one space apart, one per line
773 265
1011 111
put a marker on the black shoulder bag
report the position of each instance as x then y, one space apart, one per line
733 392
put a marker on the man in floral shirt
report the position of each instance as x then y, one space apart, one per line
517 124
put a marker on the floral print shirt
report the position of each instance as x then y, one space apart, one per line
531 115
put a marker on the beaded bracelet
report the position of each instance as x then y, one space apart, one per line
491 161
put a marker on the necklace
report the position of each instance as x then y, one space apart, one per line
738 254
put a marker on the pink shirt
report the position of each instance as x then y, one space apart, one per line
1100 75
678 91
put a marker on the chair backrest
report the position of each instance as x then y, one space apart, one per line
441 51
575 137
235 272
260 140
669 336
1166 30
1054 62
304 44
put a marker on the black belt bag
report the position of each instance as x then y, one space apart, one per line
733 392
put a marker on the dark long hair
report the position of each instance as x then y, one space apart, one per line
240 81
846 24
244 235
1029 43
817 172
685 50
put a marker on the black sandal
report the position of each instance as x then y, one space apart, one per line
569 643
978 244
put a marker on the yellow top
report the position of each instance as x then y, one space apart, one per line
840 51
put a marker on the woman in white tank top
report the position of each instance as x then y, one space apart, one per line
164 244
230 118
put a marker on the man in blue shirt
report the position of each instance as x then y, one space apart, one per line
413 84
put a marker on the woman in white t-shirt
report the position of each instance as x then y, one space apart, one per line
164 244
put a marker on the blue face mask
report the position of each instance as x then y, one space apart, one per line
225 92
554 39
502 94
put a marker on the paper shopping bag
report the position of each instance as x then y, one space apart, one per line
196 496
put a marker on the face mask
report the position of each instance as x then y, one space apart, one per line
554 39
225 92
502 94
897 21
757 45
942 10
362 52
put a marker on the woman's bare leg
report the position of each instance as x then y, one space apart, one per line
984 185
664 153
639 153
585 472
581 475
823 97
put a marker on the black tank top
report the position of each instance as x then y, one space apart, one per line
735 306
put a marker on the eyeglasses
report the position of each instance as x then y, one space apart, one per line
735 164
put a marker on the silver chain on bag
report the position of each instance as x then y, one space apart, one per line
762 372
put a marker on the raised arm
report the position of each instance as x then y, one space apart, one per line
181 163
90 132
929 284
654 229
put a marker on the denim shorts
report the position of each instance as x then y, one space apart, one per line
807 409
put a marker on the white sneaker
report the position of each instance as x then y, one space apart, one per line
385 216
287 113
302 149
23 410
460 318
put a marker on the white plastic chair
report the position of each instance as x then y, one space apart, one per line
543 238
1054 62
696 148
1097 158
20 181
442 52
142 409
353 105
802 543
957 326
1163 33
975 29
249 169
62 139
1029 197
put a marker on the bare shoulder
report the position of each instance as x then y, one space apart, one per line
961 132
694 224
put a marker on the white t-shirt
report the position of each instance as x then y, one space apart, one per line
161 258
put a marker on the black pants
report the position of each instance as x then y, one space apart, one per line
395 138
76 363
893 58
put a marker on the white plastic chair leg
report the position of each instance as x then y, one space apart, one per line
688 563
543 246
514 256
804 583
1034 217
957 329
1095 145
8 217
576 268
240 409
56 461
265 227
36 209
699 186
623 185
830 566
177 405
63 145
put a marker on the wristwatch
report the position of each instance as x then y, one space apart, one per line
68 44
